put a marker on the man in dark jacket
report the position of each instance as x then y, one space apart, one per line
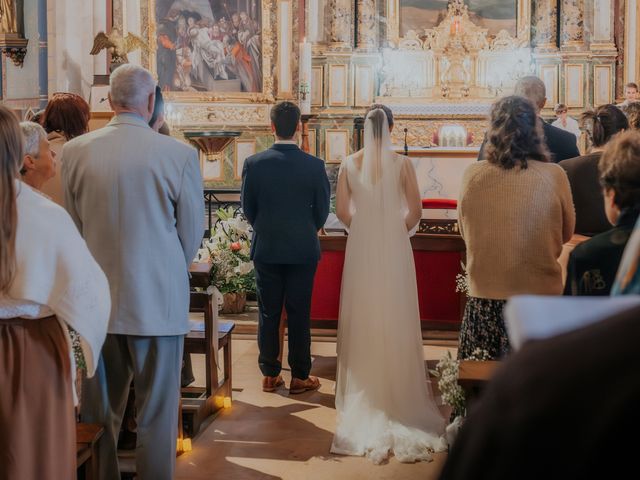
561 144
285 197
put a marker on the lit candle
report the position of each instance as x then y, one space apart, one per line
304 78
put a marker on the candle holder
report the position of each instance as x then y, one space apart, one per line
211 142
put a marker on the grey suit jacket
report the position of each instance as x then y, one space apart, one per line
136 197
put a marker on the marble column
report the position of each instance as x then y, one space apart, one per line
367 25
545 22
572 28
340 24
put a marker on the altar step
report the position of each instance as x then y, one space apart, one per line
247 328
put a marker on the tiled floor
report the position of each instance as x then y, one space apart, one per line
274 436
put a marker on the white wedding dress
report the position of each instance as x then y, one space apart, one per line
383 401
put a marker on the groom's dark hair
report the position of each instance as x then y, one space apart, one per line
384 108
285 117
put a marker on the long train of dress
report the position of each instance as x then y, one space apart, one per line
383 400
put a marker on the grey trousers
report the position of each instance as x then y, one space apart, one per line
154 364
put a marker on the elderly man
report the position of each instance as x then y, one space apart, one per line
39 163
136 197
561 144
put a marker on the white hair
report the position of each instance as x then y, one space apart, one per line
32 134
131 86
532 88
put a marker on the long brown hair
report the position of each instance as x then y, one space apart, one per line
10 160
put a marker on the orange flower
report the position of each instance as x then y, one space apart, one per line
235 246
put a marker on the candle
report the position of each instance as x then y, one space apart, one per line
304 78
313 16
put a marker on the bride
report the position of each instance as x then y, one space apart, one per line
383 401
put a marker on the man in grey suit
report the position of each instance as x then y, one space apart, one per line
136 197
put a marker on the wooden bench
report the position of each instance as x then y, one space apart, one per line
473 375
87 437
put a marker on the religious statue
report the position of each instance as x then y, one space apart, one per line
8 17
117 45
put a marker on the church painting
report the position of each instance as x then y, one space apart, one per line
209 45
494 15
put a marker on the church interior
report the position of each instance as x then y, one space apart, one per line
442 67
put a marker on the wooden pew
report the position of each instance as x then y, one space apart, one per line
198 403
87 437
473 375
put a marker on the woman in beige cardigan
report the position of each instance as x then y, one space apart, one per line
47 278
515 212
66 117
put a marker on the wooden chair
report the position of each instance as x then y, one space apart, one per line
87 437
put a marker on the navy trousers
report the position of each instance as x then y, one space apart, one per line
288 286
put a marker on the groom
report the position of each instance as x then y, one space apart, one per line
285 197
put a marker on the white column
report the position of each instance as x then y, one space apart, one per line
100 25
131 23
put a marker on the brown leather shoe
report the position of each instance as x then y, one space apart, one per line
298 385
270 384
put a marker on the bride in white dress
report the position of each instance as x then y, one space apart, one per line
383 401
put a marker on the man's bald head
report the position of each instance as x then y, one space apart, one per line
533 88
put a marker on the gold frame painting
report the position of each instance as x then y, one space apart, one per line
331 136
203 162
237 168
268 55
317 86
523 20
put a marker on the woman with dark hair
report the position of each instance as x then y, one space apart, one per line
515 212
66 117
601 125
593 264
41 289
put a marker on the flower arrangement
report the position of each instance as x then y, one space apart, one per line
229 251
446 372
462 280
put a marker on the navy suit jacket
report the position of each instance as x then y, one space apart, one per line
285 197
561 144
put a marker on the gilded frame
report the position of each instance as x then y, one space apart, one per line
332 136
574 86
269 33
237 172
219 161
523 20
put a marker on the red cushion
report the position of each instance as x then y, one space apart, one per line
439 203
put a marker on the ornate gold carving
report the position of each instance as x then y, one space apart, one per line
220 114
425 133
460 60
8 17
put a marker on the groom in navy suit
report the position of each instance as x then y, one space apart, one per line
285 197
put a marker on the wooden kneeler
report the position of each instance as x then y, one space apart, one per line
87 437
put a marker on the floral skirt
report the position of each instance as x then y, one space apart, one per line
483 329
